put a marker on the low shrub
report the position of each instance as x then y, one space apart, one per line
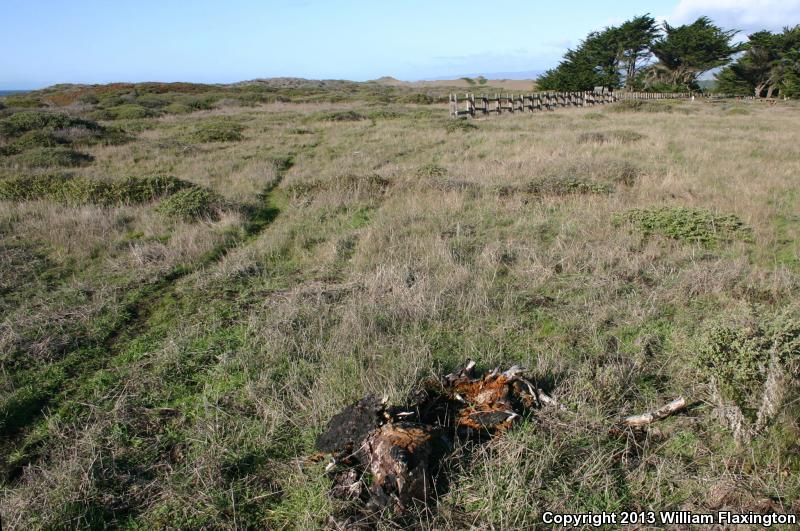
217 131
595 116
431 170
623 136
129 111
82 190
641 106
22 122
616 171
738 356
30 129
24 101
178 108
52 157
190 204
35 139
342 116
460 125
567 185
418 99
737 111
686 224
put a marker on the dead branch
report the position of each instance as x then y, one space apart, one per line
645 419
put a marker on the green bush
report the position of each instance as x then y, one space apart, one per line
431 170
129 111
23 122
190 204
153 101
342 116
567 185
217 131
24 101
82 190
738 356
737 111
178 108
32 129
686 224
419 99
594 116
52 157
462 124
35 139
623 136
641 106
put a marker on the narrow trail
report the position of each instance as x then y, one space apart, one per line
85 360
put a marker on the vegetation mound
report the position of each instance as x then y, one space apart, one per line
82 190
22 122
460 125
26 130
342 116
52 157
217 131
641 106
622 136
567 185
190 204
738 356
686 224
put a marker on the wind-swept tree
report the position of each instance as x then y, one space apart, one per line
594 63
636 37
685 52
770 65
605 58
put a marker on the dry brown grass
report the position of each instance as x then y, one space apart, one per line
375 274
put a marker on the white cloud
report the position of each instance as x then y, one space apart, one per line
745 15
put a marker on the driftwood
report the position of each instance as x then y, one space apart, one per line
645 419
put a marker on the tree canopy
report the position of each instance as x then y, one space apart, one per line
770 65
606 58
685 52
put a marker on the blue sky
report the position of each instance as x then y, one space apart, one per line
92 41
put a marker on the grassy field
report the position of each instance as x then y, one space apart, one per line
191 286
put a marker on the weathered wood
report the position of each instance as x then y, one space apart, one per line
638 421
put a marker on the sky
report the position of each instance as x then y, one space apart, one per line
44 42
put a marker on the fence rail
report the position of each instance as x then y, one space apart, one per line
550 101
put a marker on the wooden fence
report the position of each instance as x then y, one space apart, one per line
550 101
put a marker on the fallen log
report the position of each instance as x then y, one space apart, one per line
645 419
